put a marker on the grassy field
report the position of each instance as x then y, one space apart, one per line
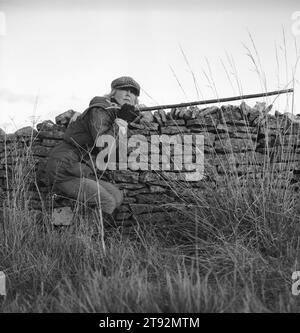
233 251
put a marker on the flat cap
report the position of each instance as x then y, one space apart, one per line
126 82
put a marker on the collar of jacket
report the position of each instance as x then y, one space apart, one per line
101 102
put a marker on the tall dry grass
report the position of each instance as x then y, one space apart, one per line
228 250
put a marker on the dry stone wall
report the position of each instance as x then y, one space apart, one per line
239 141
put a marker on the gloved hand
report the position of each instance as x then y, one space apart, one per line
128 113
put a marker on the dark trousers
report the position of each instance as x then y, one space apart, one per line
99 192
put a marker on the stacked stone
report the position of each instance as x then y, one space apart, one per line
16 156
279 140
23 157
238 141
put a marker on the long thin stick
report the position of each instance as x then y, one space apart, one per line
216 100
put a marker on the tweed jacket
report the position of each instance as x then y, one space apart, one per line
71 158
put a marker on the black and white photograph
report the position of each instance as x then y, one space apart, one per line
149 160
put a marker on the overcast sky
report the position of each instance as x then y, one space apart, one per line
58 55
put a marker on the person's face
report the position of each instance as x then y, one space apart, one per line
125 96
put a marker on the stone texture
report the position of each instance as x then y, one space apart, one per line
41 150
157 118
54 134
202 122
136 193
157 198
27 131
233 145
171 130
130 186
147 116
238 141
177 122
126 177
144 126
148 177
11 137
64 118
156 189
162 115
181 113
209 111
46 125
50 142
